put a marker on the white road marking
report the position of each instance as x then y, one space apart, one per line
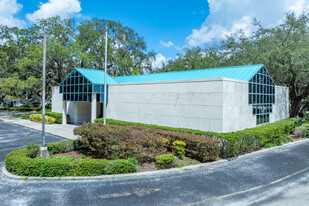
248 190
141 192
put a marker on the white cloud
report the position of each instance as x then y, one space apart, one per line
227 16
8 8
160 59
169 44
166 44
63 8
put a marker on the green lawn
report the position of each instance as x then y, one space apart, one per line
21 116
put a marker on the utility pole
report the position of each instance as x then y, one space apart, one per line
43 149
105 74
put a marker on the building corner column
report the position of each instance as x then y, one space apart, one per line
93 107
64 112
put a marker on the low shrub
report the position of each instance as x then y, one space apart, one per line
179 149
302 131
115 142
233 143
18 162
38 118
61 147
120 166
33 149
166 161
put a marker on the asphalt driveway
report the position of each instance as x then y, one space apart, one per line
274 177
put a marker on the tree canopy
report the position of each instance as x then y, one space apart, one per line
69 45
283 49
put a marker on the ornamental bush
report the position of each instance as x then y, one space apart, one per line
203 149
179 149
233 143
166 161
117 142
18 162
38 118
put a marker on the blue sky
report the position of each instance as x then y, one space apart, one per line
160 21
167 25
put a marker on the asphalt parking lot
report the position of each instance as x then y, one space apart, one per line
274 177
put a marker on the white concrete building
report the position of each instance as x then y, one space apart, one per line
220 100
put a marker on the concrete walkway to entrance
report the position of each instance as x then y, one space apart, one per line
65 131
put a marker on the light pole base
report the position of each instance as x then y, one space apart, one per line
43 152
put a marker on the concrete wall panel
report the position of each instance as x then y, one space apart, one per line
237 113
56 100
169 103
281 106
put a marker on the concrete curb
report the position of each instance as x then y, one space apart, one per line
149 173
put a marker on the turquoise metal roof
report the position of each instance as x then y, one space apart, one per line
244 73
96 76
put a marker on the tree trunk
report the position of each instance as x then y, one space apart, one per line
295 105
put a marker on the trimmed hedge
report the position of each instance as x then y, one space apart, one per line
233 143
57 116
21 108
18 162
124 123
247 140
38 118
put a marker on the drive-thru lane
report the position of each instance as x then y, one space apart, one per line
274 177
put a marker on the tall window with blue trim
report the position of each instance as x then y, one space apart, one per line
262 95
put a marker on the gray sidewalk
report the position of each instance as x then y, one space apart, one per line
65 131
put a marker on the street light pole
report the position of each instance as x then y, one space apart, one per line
43 91
105 84
43 150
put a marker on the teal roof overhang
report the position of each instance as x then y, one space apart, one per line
244 73
96 76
